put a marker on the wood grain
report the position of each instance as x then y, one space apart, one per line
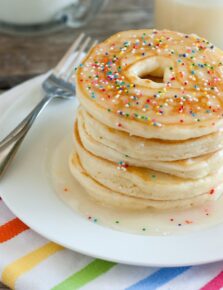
24 57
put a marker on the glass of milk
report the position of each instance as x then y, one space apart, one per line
36 16
202 17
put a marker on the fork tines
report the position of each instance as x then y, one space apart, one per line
72 57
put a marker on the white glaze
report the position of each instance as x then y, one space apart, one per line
147 222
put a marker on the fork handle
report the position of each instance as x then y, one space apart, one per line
10 144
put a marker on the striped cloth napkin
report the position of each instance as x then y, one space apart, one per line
30 262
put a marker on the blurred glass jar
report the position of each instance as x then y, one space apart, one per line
203 17
37 16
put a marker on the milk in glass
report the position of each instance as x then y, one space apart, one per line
203 17
30 12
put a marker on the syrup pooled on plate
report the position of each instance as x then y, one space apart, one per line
146 222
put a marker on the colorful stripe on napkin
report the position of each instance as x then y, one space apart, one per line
28 261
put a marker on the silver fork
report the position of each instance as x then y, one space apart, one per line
58 85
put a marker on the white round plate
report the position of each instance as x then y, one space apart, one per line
27 191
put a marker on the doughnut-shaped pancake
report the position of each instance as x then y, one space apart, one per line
197 167
154 84
144 183
150 149
109 198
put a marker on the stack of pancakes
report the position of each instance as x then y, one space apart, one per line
148 131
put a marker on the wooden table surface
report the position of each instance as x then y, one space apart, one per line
22 58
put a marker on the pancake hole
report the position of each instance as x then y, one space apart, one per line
153 78
156 76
